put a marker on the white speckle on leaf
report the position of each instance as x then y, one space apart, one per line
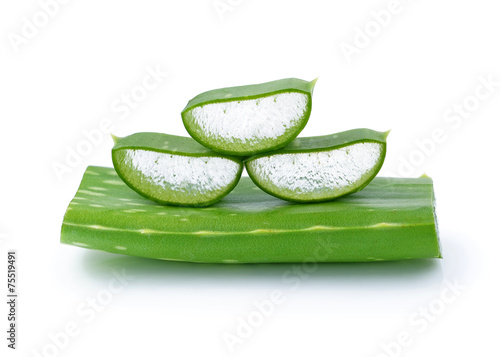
147 231
135 204
134 210
172 259
98 188
86 192
114 182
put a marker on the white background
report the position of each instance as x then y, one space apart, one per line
64 77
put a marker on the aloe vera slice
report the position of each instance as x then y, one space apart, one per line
391 219
250 119
320 168
174 170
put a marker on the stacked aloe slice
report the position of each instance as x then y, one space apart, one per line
255 127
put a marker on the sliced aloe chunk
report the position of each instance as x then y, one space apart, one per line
391 219
250 119
174 170
320 168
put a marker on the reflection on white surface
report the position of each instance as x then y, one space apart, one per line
392 295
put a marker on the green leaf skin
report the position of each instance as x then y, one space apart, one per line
237 146
318 144
391 219
171 146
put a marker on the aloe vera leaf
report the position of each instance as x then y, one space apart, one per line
174 170
320 168
250 119
391 219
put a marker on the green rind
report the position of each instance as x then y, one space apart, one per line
325 143
176 145
328 142
392 219
249 92
169 144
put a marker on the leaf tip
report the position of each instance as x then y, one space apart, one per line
115 138
312 84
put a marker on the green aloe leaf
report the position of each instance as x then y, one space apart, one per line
250 119
174 170
320 168
391 219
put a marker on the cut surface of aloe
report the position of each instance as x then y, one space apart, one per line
391 219
320 168
250 119
174 170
